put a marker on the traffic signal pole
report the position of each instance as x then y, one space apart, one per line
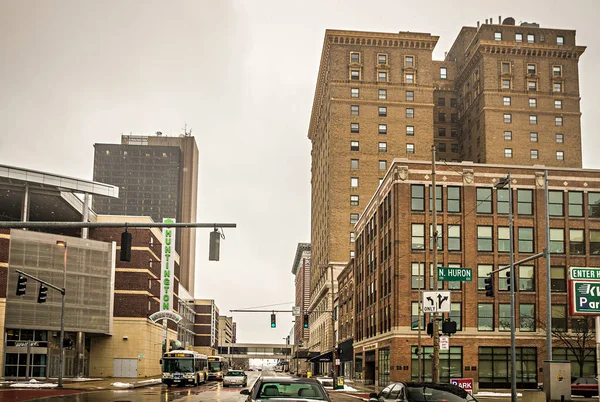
435 367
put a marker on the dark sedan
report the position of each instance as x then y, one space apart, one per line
585 386
290 388
421 392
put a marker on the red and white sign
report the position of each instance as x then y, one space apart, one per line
444 343
464 383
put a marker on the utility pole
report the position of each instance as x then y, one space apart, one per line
333 348
435 367
548 274
419 351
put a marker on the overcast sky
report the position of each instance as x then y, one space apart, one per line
242 75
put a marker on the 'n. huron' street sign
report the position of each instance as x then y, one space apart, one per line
455 274
584 297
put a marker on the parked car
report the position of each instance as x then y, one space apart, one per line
421 392
281 388
235 377
585 386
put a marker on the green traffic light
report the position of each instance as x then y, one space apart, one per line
272 325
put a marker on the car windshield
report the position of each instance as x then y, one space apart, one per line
178 365
429 394
235 374
213 367
294 390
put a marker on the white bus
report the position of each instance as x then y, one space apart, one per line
217 367
182 367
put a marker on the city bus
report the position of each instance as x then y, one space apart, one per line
217 367
182 367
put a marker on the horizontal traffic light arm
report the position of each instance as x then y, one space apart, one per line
276 311
523 261
129 225
61 290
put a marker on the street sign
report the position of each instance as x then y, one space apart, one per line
296 311
444 343
584 297
584 273
464 383
455 274
436 302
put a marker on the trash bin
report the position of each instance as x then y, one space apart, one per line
308 374
339 383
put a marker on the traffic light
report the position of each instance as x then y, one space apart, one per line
489 286
305 320
508 280
214 245
43 294
126 246
273 322
21 285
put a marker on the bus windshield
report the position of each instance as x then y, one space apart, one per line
213 367
178 365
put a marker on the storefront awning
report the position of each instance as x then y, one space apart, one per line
324 357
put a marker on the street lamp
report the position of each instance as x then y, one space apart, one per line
62 243
513 353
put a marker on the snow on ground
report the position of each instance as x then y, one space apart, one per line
150 381
33 384
83 379
346 388
496 394
122 385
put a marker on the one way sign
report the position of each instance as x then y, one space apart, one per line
436 302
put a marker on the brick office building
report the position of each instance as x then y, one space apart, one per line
393 254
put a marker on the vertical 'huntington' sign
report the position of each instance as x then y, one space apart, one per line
167 277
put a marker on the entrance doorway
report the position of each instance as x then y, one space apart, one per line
126 368
370 367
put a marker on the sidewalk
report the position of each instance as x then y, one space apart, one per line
84 384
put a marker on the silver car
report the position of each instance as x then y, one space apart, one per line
235 377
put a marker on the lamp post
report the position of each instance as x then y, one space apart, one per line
513 350
333 348
62 243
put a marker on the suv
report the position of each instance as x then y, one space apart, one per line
282 388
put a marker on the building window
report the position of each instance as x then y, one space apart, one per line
409 78
525 202
560 156
557 241
417 195
485 317
483 271
410 130
533 137
532 85
560 138
557 87
354 110
505 67
594 242
355 75
443 73
456 312
526 317
351 237
351 254
484 200
530 38
380 180
454 238
354 57
354 146
526 277
508 152
594 205
518 37
382 76
453 102
559 317
555 203
417 279
382 58
504 317
503 239
440 238
410 96
557 71
533 153
354 92
532 102
442 117
506 83
354 200
438 198
410 113
418 236
508 136
453 195
382 147
441 132
485 239
353 218
414 317
409 61
507 118
382 111
382 165
576 242
354 164
410 148
558 281
558 121
441 147
533 119
441 101
557 104
497 35
575 204
354 182
502 201
531 69
354 128
454 148
525 240
560 40
383 129
507 101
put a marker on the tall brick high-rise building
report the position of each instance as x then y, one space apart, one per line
505 94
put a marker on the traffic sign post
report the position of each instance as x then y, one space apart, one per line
455 274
